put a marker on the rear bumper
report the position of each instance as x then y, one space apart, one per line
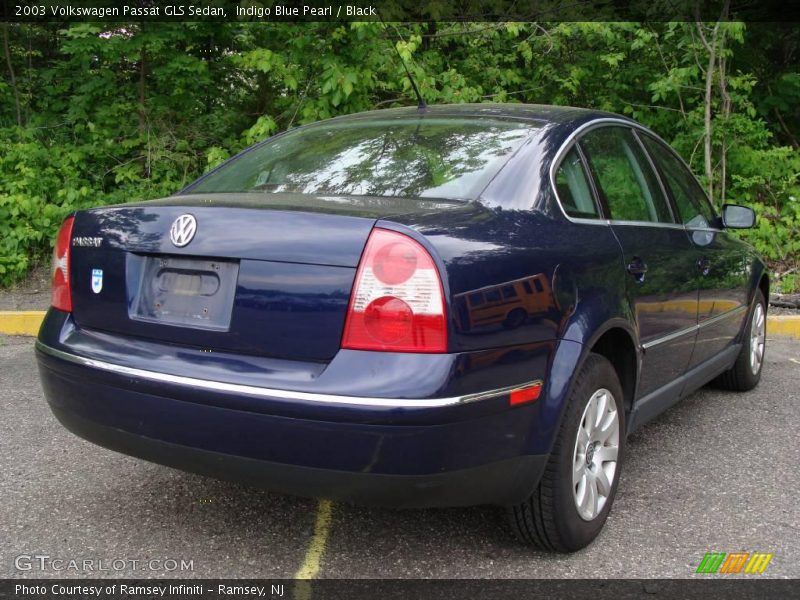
433 454
503 482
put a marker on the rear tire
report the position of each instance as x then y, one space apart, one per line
562 515
746 371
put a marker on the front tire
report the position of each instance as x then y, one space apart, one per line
746 371
571 503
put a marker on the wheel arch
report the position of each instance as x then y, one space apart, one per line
617 345
616 341
763 285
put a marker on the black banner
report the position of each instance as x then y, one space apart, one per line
343 589
396 10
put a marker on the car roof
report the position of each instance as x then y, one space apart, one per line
541 113
556 122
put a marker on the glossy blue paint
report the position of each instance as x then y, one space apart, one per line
528 294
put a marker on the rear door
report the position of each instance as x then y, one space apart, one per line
721 262
657 253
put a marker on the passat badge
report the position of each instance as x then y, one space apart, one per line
97 280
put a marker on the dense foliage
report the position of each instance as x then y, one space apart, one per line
91 114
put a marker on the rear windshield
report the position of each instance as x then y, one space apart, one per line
411 158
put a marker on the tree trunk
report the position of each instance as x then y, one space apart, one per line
713 46
726 113
142 80
707 128
143 130
11 74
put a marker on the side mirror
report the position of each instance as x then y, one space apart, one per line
738 217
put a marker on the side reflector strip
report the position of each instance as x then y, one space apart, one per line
526 394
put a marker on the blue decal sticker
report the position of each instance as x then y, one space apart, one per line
97 280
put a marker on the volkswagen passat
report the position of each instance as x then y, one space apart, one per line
447 306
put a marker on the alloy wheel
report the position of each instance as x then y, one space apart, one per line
757 338
594 463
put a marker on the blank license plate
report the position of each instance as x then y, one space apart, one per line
186 291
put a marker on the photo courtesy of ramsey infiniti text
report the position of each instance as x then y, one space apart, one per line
435 306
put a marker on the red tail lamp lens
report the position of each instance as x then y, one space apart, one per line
397 302
388 319
395 263
62 294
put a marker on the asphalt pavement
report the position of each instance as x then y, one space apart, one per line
718 472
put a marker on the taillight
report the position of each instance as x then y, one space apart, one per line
62 295
397 302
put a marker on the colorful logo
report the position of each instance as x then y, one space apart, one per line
721 563
97 280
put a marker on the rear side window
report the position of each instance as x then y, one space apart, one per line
693 206
625 176
573 188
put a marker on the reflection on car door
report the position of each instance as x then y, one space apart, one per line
657 252
721 263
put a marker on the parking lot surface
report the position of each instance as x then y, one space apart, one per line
718 472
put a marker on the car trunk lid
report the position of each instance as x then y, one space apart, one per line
262 275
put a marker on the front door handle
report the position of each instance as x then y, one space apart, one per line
637 267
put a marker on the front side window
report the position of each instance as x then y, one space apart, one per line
690 199
624 175
573 189
449 158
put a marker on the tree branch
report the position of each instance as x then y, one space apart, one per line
11 74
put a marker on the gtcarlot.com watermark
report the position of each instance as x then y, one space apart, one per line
42 563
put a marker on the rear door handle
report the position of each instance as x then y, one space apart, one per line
637 268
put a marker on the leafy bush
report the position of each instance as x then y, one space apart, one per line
768 180
114 113
38 187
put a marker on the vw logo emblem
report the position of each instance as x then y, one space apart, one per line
183 230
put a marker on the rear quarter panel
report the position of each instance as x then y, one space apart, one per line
484 251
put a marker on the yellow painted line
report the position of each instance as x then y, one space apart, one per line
21 322
27 322
783 325
316 549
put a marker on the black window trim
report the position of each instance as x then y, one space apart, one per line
710 205
671 207
602 198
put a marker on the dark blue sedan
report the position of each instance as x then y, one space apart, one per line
445 306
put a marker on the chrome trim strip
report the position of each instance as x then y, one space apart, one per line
669 337
694 328
599 122
562 151
648 224
709 229
274 394
731 313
